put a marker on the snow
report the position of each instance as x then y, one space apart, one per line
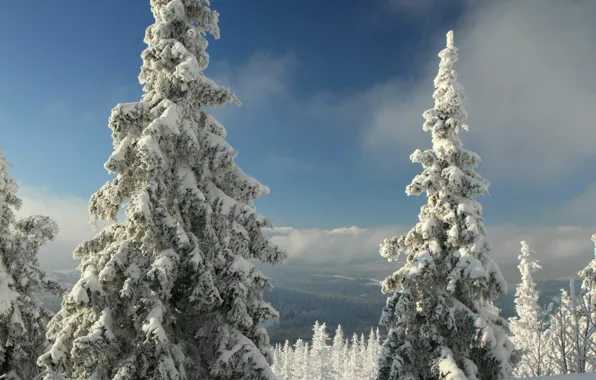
473 267
118 154
448 368
7 295
242 265
423 260
250 181
153 327
79 293
188 182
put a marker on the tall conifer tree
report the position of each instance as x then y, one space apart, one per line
440 318
171 292
23 318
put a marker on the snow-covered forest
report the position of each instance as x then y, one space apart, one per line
173 292
558 340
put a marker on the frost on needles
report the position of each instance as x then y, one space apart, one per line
172 292
440 318
23 318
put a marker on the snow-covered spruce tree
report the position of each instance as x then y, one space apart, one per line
529 327
440 318
320 358
337 353
352 365
371 358
277 359
300 361
171 292
286 365
23 318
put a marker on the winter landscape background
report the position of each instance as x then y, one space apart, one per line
328 122
303 297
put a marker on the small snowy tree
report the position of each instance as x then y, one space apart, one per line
320 361
277 359
300 361
573 326
378 346
353 362
337 353
371 358
560 331
441 318
172 292
286 367
23 318
530 327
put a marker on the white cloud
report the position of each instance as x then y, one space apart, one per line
578 210
563 250
527 69
264 79
338 246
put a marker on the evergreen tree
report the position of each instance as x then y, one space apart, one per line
529 328
378 346
371 359
277 356
351 368
440 318
337 353
286 369
300 360
361 367
172 292
23 318
320 363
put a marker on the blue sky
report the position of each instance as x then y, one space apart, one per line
333 95
78 59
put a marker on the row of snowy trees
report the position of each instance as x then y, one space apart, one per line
560 339
343 359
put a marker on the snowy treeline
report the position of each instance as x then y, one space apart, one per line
562 338
558 339
340 358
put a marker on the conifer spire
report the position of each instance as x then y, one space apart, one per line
440 315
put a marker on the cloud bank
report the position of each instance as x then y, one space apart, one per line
563 250
354 245
527 69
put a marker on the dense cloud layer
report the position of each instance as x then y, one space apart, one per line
527 69
562 249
